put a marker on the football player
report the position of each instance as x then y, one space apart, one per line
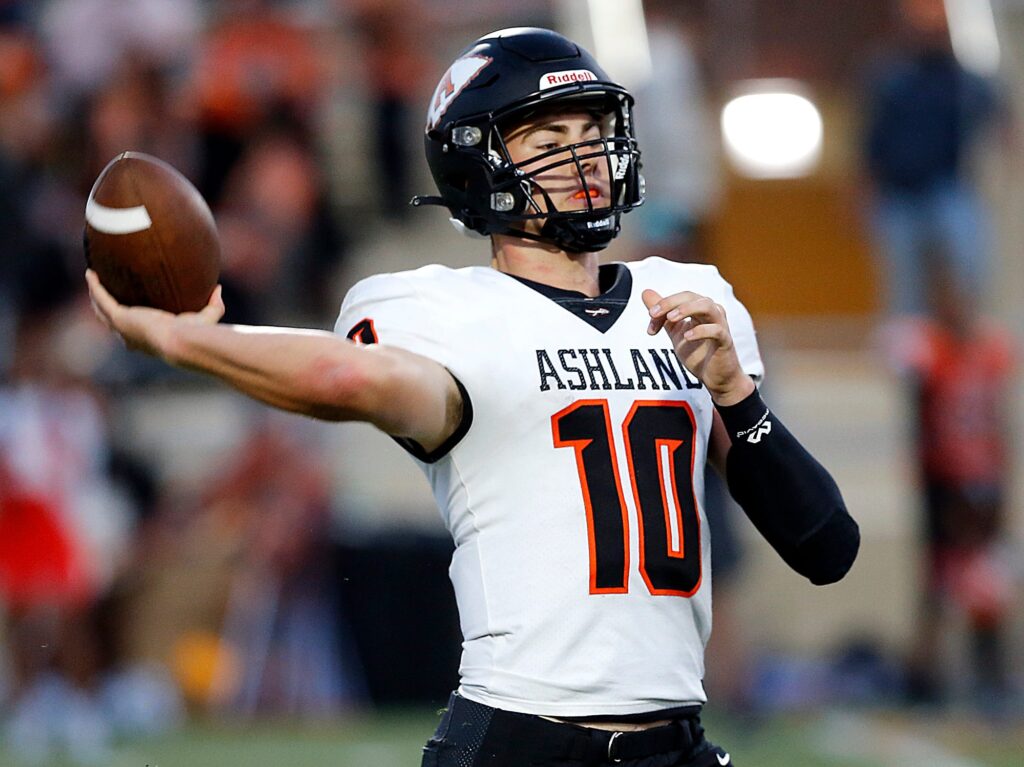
563 412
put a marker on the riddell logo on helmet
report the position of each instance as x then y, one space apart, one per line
553 79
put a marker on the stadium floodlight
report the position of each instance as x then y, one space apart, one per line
972 30
615 31
772 130
620 39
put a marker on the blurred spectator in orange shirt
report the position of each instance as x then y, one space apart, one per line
256 64
961 367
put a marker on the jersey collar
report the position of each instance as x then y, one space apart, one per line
600 312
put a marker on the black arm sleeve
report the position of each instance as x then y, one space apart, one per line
790 497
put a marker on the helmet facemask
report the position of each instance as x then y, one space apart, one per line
522 192
511 190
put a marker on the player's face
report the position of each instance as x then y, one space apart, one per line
552 131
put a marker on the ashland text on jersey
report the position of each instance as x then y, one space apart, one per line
596 369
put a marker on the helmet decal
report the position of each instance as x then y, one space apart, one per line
551 79
459 75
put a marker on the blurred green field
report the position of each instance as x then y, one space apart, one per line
394 738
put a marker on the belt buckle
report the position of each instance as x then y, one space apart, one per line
611 744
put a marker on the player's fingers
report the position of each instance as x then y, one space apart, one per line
668 307
103 304
663 305
686 306
686 315
214 308
91 281
651 299
98 291
708 332
701 308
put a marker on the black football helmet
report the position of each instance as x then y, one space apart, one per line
500 81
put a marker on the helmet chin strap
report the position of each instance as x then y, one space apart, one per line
578 236
571 236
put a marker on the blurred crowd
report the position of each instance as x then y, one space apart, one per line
127 600
925 115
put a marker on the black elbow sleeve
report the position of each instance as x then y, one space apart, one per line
789 496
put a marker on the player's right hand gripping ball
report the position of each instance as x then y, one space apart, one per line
150 236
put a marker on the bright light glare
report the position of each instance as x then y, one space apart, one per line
620 39
972 30
772 134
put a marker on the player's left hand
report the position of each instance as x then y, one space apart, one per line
145 329
700 334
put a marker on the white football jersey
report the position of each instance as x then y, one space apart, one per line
575 498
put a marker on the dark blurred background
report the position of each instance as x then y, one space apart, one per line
173 555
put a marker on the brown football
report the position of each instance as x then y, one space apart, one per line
150 236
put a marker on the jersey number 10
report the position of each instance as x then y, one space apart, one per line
660 448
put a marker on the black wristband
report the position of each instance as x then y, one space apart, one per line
745 417
791 498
